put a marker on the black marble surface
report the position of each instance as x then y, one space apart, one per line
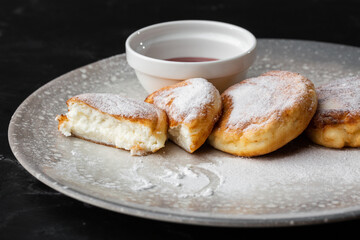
42 39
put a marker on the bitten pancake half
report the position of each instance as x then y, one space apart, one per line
336 123
193 106
264 113
115 121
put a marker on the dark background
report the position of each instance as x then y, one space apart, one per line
42 39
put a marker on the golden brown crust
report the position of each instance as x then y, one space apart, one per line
199 126
115 121
61 119
336 123
171 120
269 131
333 117
205 123
336 135
153 121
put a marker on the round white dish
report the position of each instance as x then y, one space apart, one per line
148 48
301 183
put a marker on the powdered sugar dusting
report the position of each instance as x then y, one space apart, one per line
297 184
260 100
342 94
117 105
184 103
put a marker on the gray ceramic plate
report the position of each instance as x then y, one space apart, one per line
300 183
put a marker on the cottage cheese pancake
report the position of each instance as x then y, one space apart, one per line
336 123
193 106
264 113
116 121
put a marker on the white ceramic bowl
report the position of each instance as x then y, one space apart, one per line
148 48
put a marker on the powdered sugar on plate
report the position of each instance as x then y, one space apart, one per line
301 183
